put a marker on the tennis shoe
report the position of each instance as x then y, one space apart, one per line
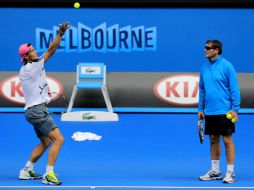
51 179
211 175
229 178
31 174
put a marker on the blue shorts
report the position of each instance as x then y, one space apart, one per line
40 117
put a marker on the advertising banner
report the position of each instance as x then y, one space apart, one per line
126 90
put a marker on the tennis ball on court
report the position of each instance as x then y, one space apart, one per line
76 5
229 116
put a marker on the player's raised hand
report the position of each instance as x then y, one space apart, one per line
63 27
55 43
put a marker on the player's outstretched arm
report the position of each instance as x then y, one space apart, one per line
55 43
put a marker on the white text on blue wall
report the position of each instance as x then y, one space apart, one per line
100 38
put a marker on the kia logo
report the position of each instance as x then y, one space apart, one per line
11 90
178 89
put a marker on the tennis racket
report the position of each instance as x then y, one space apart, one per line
201 131
64 100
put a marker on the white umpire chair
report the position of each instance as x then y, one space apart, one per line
90 76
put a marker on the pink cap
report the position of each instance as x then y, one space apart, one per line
23 50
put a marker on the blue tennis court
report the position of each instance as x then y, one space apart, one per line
141 151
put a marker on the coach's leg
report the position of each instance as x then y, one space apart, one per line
230 154
214 173
215 148
230 149
215 152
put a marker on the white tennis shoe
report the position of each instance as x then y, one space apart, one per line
229 178
24 175
211 175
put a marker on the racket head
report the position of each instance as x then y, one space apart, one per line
200 132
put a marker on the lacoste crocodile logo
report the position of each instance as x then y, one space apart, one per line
88 117
90 70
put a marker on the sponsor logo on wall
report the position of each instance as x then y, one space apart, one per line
11 89
101 38
178 89
126 89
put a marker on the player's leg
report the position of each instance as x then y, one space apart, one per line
44 125
28 171
57 141
40 149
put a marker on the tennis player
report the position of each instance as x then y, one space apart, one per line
218 94
35 89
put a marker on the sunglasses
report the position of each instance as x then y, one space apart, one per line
208 48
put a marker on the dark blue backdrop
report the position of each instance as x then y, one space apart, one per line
180 37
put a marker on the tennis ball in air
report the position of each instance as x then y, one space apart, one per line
229 116
76 5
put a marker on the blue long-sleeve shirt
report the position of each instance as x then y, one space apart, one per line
218 88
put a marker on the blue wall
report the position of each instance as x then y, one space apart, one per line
175 37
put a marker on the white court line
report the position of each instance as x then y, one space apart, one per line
123 187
